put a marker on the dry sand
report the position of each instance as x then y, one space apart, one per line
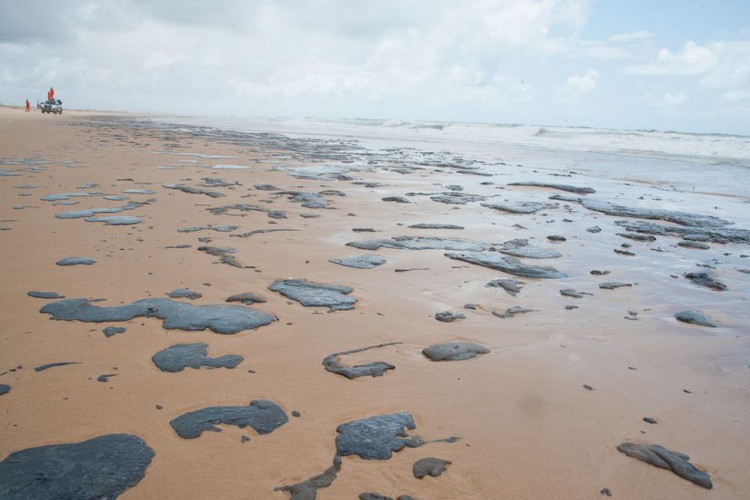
528 428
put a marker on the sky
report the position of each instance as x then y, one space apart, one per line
631 64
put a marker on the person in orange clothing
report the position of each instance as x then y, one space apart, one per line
51 94
28 106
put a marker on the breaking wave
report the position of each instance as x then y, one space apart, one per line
711 149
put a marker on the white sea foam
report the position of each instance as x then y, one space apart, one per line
703 148
711 148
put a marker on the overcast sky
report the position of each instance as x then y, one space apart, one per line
646 64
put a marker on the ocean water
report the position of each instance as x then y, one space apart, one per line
711 163
703 148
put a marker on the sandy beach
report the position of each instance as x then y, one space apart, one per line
566 378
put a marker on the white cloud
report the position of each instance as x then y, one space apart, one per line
736 96
694 59
265 50
449 59
631 37
732 67
524 24
602 51
674 99
577 86
389 58
723 65
499 90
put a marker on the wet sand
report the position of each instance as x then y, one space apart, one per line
528 427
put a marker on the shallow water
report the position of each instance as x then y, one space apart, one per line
671 159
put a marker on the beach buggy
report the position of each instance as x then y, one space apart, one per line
51 106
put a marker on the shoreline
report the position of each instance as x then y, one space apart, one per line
521 409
